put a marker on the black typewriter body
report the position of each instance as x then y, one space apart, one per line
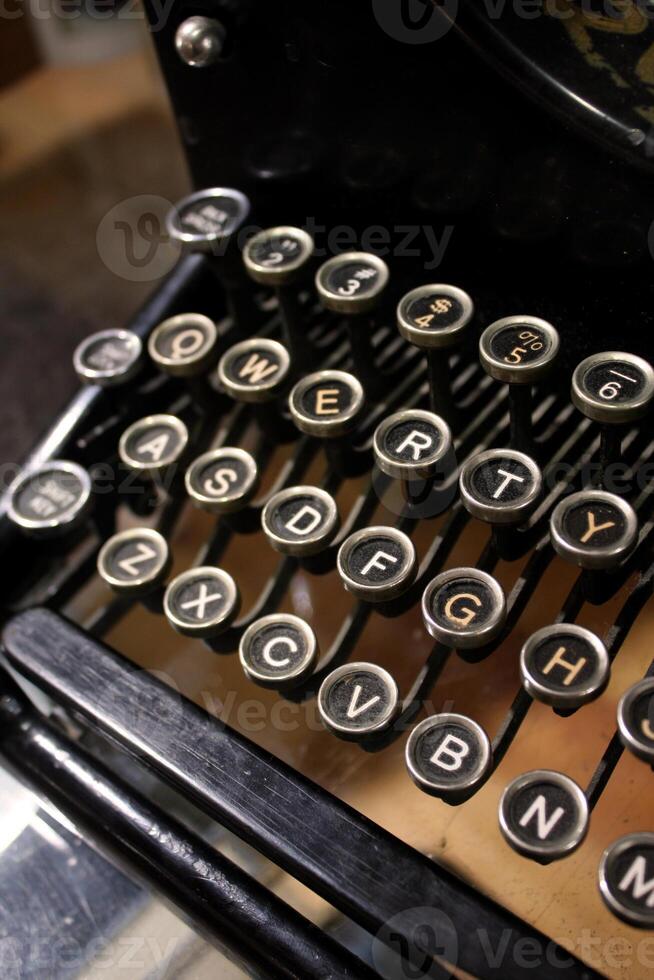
508 161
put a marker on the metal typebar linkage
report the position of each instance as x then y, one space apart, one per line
223 903
357 866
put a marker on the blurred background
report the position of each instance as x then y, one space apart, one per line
85 134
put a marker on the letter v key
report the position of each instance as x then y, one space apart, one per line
353 711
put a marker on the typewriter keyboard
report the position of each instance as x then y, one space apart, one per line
391 542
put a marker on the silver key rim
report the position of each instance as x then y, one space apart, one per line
326 428
465 638
229 502
212 626
264 390
301 670
378 591
448 787
65 520
561 697
526 373
385 718
445 337
139 584
309 544
541 851
605 410
423 468
639 748
199 359
499 512
284 273
197 241
167 459
106 378
611 900
587 557
351 304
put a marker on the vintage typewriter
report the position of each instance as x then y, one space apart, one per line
344 548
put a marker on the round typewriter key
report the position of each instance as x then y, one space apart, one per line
448 755
277 650
254 370
358 699
134 562
202 220
377 563
352 282
518 349
277 256
326 404
300 521
153 443
594 529
108 357
636 719
543 815
500 486
50 500
202 602
613 387
223 480
626 879
411 444
185 345
464 608
435 316
564 666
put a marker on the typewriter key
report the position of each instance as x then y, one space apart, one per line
564 666
412 445
449 756
519 350
223 480
184 346
50 500
278 650
279 257
594 529
636 719
377 563
254 370
205 220
134 562
500 486
353 284
358 699
626 879
543 815
202 602
436 318
108 358
614 389
464 608
326 404
300 521
153 444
